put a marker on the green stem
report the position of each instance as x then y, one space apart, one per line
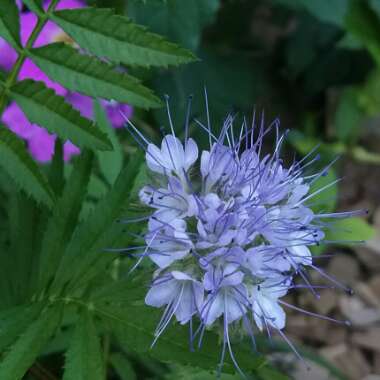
23 53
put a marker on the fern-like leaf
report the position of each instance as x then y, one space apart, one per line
110 163
35 6
98 232
134 327
90 76
64 219
43 107
106 34
28 346
84 358
14 321
16 161
9 22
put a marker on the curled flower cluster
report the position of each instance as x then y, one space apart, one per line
230 229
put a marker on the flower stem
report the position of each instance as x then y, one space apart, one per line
23 53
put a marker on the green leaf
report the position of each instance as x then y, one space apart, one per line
25 350
16 161
43 107
134 327
369 94
268 373
332 11
84 358
10 23
348 116
108 35
179 372
123 367
122 291
326 200
110 163
181 21
90 76
363 22
24 218
64 219
243 79
351 229
56 170
14 321
99 231
35 6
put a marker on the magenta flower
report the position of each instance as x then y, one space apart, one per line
40 142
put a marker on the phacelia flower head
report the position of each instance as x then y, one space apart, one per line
230 229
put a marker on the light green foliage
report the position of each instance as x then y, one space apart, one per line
352 229
116 37
84 358
326 200
15 160
90 76
9 22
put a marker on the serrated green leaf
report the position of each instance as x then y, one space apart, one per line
16 161
363 22
56 170
34 5
110 163
24 218
43 107
64 219
10 23
90 76
99 231
14 321
84 357
134 327
108 35
24 351
123 367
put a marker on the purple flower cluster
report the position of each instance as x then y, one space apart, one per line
40 142
230 230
